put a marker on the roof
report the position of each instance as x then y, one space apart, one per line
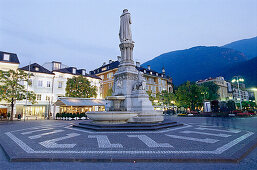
115 64
154 73
33 67
73 101
205 80
78 72
13 58
106 67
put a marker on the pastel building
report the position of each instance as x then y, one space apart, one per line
155 82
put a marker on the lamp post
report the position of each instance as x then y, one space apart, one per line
25 114
237 79
255 94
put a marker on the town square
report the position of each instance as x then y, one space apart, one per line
185 109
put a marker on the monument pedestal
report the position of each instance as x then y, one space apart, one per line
129 93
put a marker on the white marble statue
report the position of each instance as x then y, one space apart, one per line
140 84
125 30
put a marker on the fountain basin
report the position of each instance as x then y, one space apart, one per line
111 117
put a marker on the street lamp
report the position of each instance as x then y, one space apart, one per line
237 79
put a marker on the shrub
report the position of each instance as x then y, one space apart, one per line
83 115
63 115
73 115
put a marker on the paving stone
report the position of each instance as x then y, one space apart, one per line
85 145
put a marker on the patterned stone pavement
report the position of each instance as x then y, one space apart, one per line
199 140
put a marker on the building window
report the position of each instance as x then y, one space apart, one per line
110 85
105 68
83 72
59 84
48 84
73 71
36 69
40 83
6 57
110 75
47 98
38 96
57 66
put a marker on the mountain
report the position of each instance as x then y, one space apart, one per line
196 63
246 69
246 46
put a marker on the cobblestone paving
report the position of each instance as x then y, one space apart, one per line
197 140
245 124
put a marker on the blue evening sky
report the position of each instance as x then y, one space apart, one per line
84 33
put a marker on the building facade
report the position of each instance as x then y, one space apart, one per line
155 82
49 85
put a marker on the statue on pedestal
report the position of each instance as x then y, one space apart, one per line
125 30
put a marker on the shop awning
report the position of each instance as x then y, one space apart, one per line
3 107
72 101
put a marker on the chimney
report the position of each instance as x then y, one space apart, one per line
148 67
138 64
104 63
119 58
163 70
110 61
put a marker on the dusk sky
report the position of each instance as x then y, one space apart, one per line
84 33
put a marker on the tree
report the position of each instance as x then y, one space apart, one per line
80 87
211 90
231 105
189 95
165 97
11 90
151 97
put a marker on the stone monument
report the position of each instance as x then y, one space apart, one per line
129 101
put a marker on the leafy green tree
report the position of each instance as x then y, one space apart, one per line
210 91
189 95
151 97
80 87
231 105
165 97
11 90
246 104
